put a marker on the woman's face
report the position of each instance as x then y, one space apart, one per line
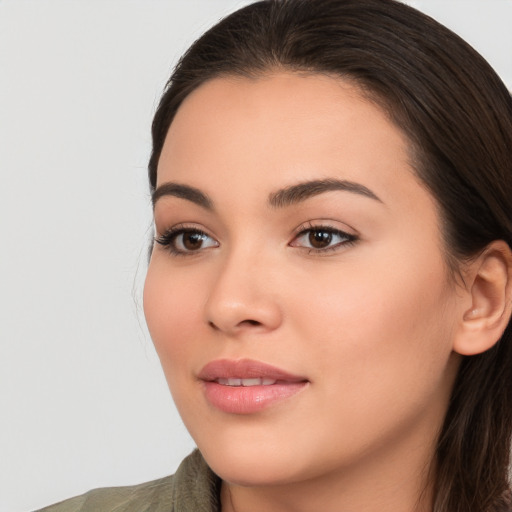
297 294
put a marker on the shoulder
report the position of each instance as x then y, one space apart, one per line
142 497
194 487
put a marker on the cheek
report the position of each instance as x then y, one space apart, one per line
386 327
172 308
379 347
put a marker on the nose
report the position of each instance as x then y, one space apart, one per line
243 297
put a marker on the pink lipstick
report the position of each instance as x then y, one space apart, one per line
246 386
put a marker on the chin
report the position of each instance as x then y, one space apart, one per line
251 463
254 472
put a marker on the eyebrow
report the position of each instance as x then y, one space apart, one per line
183 192
302 191
281 198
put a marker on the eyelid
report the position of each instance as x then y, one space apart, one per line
327 224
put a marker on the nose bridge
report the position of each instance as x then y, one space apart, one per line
242 294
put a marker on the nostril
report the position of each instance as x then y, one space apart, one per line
250 322
236 326
247 323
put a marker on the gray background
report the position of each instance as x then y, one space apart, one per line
83 402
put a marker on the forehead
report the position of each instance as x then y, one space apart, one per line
267 132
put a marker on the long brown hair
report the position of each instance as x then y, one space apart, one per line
457 115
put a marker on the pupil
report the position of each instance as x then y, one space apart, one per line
192 241
320 239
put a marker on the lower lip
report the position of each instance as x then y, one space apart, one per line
249 399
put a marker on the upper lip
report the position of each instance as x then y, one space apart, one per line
245 369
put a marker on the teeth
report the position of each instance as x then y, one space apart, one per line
246 382
250 382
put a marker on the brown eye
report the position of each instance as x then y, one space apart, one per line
192 240
319 239
322 239
186 241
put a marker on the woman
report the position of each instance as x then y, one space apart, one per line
330 288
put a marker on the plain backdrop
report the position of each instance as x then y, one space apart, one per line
83 402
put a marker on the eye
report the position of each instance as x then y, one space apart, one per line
184 241
322 238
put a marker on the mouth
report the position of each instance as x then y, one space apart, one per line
246 382
246 386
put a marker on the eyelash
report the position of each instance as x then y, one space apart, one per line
169 237
348 239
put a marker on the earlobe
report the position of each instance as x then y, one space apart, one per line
489 283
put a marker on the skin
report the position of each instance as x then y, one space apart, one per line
370 324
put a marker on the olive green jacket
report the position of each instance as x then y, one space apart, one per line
193 488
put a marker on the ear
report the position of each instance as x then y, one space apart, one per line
488 280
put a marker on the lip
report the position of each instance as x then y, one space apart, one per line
247 399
